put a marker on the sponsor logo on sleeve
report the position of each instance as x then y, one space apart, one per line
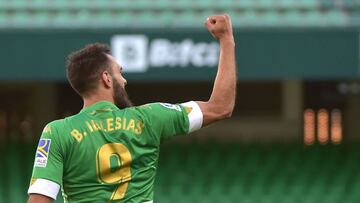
171 106
42 153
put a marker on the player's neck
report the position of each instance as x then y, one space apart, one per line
89 101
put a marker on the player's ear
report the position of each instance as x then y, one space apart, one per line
106 79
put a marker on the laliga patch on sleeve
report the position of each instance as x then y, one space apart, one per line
171 106
42 153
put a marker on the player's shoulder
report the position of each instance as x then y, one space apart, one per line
73 119
160 106
52 127
56 122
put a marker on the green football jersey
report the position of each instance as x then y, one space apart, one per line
107 154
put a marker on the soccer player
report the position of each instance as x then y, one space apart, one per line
109 151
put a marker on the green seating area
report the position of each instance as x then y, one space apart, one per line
259 174
229 173
182 13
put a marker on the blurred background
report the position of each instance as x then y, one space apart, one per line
294 135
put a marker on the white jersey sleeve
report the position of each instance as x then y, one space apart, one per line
195 115
44 187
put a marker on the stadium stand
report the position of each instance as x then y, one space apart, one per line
212 173
182 13
261 174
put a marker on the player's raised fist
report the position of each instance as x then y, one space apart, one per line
220 27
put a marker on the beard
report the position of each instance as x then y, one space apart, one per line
121 97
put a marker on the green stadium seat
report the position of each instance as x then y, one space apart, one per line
313 18
203 4
181 5
59 4
41 19
3 19
184 18
143 4
273 11
245 5
123 5
307 4
235 16
355 18
102 4
249 18
350 4
83 4
160 5
62 18
101 17
292 18
265 4
327 4
227 5
43 4
270 18
16 4
121 19
202 16
145 19
285 4
21 19
81 18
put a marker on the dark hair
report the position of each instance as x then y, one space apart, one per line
86 65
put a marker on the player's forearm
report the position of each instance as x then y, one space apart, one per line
222 99
37 198
223 95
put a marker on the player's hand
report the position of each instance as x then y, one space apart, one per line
220 27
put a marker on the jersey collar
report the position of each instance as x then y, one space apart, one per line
102 106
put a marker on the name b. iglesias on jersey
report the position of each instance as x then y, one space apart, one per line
111 124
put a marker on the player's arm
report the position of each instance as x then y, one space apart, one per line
36 198
167 120
47 173
222 99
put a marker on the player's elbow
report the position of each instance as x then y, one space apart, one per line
213 113
222 110
227 113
